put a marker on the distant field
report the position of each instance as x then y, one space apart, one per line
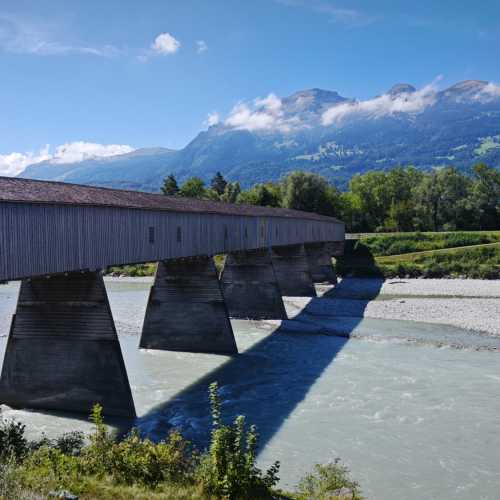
472 254
420 256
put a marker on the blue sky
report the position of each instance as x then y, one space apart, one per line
148 73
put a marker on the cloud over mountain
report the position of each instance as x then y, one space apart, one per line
414 101
73 152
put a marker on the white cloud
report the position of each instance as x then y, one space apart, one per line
73 152
490 91
14 163
384 105
242 117
201 46
213 119
264 114
272 103
21 36
165 44
333 12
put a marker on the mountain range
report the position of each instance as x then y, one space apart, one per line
315 130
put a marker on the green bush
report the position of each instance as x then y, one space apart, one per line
326 483
135 460
228 469
13 443
140 461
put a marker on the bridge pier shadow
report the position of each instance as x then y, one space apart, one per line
267 381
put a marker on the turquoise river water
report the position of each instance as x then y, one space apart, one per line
412 408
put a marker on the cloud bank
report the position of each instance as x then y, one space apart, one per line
384 105
14 163
261 115
490 91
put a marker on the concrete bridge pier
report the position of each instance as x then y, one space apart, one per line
186 309
63 351
292 271
250 286
320 263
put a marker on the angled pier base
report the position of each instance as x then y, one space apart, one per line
250 286
292 271
186 310
63 351
320 263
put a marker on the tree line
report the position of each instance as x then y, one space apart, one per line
401 199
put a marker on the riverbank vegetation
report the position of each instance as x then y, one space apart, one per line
427 255
100 466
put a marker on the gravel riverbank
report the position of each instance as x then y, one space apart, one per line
469 304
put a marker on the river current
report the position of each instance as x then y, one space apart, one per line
412 408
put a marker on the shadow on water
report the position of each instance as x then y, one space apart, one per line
266 382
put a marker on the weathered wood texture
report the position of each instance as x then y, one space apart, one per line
292 271
186 309
63 351
38 239
250 287
320 263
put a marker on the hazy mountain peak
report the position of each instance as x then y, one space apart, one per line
467 86
314 96
401 88
466 90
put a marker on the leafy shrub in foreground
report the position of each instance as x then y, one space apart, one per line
228 469
326 482
13 443
135 460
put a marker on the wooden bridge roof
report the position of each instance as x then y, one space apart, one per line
49 192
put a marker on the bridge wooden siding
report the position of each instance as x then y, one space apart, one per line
64 321
53 237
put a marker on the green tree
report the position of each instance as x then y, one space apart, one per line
442 201
485 196
311 193
194 187
231 192
170 187
218 183
264 195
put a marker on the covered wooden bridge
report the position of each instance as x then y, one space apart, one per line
63 351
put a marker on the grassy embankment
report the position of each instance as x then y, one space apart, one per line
471 254
101 467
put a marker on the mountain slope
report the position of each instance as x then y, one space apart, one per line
316 130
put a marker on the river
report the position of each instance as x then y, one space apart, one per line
412 408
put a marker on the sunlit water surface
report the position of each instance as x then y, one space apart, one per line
410 415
